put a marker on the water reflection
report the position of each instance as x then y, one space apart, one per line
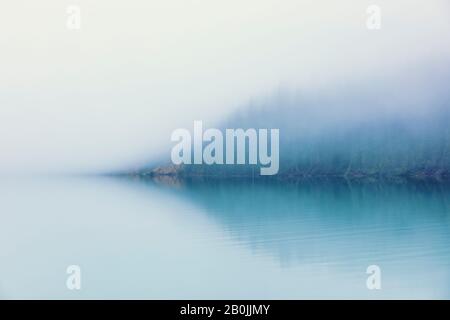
294 221
141 238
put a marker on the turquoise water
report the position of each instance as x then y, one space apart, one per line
208 239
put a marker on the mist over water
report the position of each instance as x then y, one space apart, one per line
364 149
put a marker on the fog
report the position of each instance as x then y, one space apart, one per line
107 97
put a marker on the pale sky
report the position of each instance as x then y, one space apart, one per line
108 96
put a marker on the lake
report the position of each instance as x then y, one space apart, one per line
136 238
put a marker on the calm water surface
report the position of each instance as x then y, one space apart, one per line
223 239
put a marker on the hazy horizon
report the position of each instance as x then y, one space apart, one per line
106 97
